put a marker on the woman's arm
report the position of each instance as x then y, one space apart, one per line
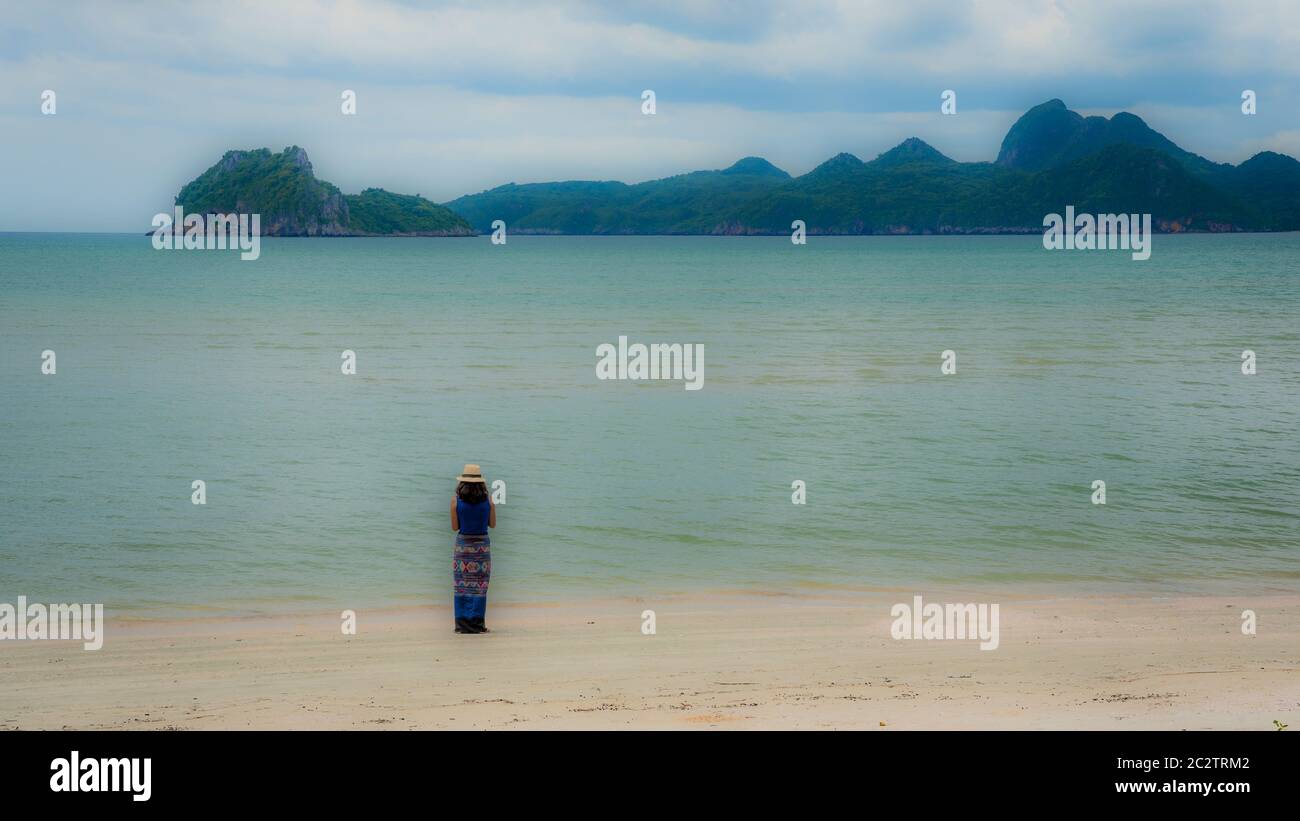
492 513
455 523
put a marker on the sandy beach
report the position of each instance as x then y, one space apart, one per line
725 660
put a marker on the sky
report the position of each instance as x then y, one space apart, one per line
454 98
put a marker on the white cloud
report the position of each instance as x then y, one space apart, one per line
534 42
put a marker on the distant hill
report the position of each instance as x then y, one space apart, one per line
1050 134
1051 157
911 150
283 189
685 204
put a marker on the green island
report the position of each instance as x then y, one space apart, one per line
292 202
1050 158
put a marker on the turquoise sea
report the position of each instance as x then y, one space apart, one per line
822 364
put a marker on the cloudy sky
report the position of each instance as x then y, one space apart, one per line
453 98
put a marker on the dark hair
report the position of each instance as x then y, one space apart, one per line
471 493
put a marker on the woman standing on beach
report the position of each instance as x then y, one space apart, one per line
472 513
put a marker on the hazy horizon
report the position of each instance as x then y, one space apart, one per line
456 99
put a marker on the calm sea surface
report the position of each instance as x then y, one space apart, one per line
822 364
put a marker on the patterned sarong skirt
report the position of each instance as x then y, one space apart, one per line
471 569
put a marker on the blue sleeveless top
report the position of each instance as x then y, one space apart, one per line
473 518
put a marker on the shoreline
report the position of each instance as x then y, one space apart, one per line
377 601
735 660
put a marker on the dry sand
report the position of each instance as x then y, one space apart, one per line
727 660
